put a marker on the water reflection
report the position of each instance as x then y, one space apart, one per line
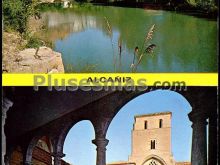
184 43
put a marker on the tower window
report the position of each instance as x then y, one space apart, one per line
160 123
153 162
152 144
145 125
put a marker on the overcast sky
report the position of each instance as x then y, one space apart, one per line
80 151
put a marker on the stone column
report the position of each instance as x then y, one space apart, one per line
57 158
6 104
27 157
101 144
212 142
199 140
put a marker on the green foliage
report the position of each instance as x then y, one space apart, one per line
33 42
50 6
206 5
17 12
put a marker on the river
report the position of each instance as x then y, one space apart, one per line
89 40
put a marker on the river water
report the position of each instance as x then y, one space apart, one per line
89 40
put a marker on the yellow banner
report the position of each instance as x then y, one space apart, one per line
112 79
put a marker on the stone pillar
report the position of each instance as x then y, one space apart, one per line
6 104
101 144
212 142
27 158
57 158
199 140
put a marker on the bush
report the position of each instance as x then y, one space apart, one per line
33 42
208 6
49 6
17 12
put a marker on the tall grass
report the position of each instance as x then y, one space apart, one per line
138 54
119 52
144 47
109 29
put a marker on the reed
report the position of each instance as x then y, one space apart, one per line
119 52
108 26
148 37
109 29
137 54
119 45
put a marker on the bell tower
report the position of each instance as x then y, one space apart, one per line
151 139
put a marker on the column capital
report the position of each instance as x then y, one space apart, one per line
100 142
58 154
197 116
57 157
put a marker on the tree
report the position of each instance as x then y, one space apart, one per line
17 12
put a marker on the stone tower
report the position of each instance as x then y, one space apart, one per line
151 140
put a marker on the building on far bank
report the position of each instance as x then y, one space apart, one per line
151 141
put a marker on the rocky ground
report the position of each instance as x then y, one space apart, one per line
16 59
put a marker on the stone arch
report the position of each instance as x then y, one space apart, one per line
71 128
27 153
137 94
157 159
59 142
28 150
126 98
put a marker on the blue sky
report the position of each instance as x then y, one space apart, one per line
80 151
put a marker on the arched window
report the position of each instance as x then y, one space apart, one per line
160 123
145 125
153 161
152 144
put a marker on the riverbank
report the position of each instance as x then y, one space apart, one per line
18 59
183 8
